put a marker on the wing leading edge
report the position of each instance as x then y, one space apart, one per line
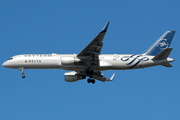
95 46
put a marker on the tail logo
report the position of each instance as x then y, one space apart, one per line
163 44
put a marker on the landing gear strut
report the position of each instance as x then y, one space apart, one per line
22 72
90 73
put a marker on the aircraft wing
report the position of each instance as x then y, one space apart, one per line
95 46
99 76
89 55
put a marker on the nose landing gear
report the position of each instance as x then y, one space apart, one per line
23 76
22 72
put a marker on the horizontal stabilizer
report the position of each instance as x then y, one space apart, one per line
163 55
167 65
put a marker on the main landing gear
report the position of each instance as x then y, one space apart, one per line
91 80
90 73
22 72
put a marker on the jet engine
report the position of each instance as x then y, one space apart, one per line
69 60
73 76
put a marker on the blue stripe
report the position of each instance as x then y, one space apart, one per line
135 64
133 60
127 58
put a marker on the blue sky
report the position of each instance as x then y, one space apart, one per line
66 27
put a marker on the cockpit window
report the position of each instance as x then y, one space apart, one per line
10 58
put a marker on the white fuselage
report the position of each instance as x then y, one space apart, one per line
90 62
106 62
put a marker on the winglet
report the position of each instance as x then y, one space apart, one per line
112 77
105 27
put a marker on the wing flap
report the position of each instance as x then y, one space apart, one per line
99 76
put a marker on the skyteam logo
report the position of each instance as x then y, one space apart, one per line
136 59
162 44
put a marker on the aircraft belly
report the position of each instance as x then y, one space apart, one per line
122 65
74 68
116 65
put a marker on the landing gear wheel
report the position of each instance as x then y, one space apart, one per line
93 81
88 80
23 76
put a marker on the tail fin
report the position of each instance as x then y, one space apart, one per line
161 44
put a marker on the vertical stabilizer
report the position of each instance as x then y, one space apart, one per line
161 44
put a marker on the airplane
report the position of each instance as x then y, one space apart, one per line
89 62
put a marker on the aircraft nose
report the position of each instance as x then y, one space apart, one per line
5 64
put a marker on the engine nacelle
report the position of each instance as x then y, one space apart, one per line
73 76
69 60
